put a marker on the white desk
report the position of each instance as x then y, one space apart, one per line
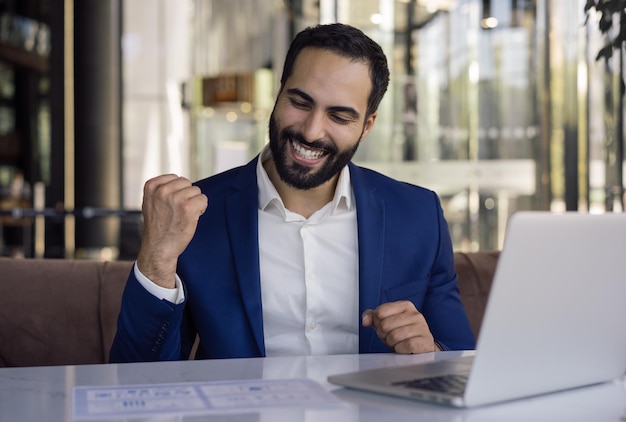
45 393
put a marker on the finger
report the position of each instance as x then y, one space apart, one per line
415 345
196 204
180 186
367 318
408 334
178 192
191 193
392 315
401 327
152 184
395 321
405 329
394 308
190 196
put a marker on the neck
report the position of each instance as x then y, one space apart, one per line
303 202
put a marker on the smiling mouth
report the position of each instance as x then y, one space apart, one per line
307 153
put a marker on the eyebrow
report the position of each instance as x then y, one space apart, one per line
338 109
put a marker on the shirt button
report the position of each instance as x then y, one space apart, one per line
313 325
310 276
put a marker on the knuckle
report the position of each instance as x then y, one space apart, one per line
187 206
402 348
411 345
150 186
384 325
393 338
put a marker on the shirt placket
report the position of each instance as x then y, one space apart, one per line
312 328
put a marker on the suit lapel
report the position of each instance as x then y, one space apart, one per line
242 223
371 234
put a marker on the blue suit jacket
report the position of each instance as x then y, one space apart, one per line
405 252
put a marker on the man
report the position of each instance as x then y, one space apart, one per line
299 251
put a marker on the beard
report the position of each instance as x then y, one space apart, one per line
297 175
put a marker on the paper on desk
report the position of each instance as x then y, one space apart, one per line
128 401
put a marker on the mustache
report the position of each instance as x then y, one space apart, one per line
288 133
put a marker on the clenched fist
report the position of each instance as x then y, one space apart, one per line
401 327
171 209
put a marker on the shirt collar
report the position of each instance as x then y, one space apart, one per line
268 195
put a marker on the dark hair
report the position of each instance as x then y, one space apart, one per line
345 41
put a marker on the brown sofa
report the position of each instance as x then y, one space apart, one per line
64 312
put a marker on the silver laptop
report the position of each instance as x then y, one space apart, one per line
555 318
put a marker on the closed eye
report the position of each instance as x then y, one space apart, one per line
299 104
339 119
343 115
300 99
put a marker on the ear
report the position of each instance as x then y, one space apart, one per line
368 125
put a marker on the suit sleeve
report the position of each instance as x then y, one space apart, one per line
148 328
443 309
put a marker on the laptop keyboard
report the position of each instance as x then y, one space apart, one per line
451 384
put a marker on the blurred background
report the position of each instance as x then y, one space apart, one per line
497 105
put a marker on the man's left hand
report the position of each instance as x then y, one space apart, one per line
401 327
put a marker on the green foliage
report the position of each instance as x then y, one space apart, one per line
612 13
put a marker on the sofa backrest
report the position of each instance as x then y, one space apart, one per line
475 271
64 312
58 312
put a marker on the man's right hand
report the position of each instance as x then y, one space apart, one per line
171 208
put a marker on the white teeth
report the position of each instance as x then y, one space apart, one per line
306 153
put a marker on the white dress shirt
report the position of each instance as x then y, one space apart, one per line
309 273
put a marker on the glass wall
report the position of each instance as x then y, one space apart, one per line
498 106
477 123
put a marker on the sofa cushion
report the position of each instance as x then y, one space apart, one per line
113 276
64 312
50 311
475 271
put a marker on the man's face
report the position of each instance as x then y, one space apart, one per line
319 120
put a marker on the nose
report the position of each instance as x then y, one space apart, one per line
314 127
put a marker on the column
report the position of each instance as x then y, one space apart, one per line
97 123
